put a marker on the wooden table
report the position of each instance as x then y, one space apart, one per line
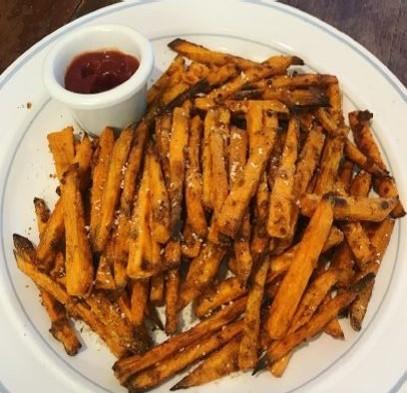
381 26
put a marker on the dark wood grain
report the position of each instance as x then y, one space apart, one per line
379 25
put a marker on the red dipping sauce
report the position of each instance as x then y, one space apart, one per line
94 72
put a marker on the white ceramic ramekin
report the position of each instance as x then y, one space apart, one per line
117 107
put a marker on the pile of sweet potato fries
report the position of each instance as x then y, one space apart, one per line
243 191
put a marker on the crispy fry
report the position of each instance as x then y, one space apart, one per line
363 135
248 351
138 265
331 157
386 187
171 301
352 208
278 367
214 297
167 368
243 106
160 206
312 298
42 213
83 157
380 240
344 179
79 264
219 175
300 270
23 248
104 278
217 365
260 238
236 203
51 237
308 160
201 271
178 144
279 264
61 144
193 189
111 190
209 124
354 232
329 123
126 367
61 328
206 56
324 315
334 329
169 77
355 155
274 65
138 301
281 200
293 81
157 290
191 245
335 102
99 176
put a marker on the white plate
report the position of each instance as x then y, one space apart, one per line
372 361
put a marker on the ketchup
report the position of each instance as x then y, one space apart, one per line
94 72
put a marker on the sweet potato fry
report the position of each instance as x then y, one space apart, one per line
104 278
331 157
178 144
51 237
334 329
111 191
206 56
333 128
160 206
243 106
221 293
99 176
380 240
157 290
167 368
138 264
248 351
345 174
61 144
83 157
355 155
201 271
386 187
260 237
281 206
308 160
352 208
171 301
162 142
278 367
42 213
193 189
126 367
335 102
323 316
294 283
169 77
138 301
236 203
219 175
217 365
294 81
191 244
275 65
279 264
312 298
363 135
79 264
354 232
61 328
209 124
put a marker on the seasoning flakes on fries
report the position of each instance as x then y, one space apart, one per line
237 166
